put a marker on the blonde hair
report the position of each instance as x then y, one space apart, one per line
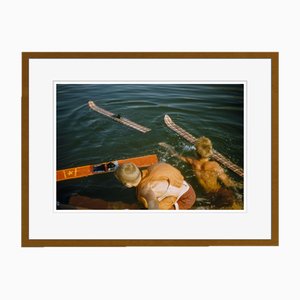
204 147
128 173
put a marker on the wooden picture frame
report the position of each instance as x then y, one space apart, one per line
29 71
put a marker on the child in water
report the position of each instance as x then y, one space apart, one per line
210 175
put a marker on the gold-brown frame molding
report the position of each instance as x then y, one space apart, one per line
274 56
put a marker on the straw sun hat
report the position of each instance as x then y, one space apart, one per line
128 174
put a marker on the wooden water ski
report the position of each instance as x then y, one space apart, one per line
102 168
118 118
216 155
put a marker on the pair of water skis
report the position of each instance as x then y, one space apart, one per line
142 161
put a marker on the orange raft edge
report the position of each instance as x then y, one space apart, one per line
84 171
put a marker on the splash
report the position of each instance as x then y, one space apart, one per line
189 148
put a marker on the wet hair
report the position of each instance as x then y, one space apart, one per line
204 147
128 173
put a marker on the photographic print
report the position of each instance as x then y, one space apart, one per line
192 131
149 149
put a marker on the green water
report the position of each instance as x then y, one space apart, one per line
86 137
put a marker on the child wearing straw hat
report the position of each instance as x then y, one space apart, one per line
161 186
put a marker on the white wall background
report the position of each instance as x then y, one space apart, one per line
148 273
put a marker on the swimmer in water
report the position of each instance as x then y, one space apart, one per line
210 175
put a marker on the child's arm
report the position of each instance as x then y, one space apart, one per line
227 181
172 151
149 200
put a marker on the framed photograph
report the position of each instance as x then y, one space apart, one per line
149 149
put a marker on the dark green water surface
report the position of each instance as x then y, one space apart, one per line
86 137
